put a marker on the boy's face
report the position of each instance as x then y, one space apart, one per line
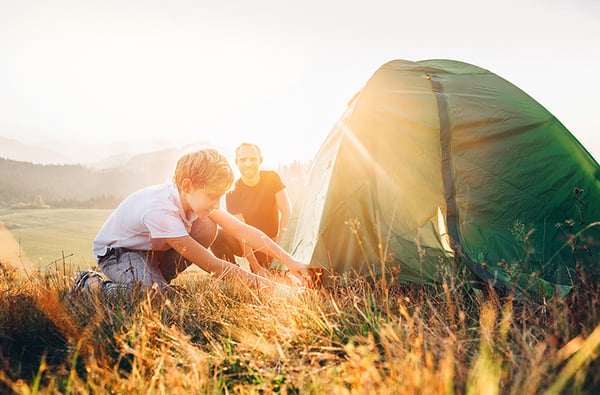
248 160
203 201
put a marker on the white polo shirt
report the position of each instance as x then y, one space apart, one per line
144 220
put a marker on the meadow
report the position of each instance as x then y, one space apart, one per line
351 336
46 236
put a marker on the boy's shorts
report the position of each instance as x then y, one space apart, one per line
125 266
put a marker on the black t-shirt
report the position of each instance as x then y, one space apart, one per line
257 203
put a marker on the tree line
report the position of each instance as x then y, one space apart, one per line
70 185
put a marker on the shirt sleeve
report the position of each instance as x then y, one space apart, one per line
163 224
276 182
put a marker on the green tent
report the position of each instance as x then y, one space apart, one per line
440 162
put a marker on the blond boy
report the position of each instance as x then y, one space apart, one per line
157 232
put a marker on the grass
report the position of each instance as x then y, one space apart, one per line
206 336
355 336
41 234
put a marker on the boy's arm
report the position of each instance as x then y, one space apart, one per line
257 240
204 259
285 211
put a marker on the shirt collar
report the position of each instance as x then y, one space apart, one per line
174 193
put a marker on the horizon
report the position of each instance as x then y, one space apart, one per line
277 75
98 156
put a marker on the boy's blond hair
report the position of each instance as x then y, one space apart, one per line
205 167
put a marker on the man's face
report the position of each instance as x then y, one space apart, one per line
248 161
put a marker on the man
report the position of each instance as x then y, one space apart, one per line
258 198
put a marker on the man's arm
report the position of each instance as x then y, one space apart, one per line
257 240
285 211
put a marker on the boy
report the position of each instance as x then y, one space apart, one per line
157 232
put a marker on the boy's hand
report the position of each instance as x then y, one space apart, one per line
297 269
297 280
295 265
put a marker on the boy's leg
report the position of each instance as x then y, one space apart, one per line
204 231
128 267
171 263
89 279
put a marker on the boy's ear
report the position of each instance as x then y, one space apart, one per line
186 185
261 160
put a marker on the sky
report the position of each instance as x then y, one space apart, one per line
278 73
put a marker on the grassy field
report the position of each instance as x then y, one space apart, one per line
356 336
44 235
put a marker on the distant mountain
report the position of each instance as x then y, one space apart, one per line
104 155
96 156
75 185
16 150
153 167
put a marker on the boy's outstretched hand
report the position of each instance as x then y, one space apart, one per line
298 270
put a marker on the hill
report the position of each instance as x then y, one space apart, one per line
81 186
16 150
26 184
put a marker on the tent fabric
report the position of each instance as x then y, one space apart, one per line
437 162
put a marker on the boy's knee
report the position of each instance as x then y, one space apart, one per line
204 231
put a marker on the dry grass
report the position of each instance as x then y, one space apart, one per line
354 336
